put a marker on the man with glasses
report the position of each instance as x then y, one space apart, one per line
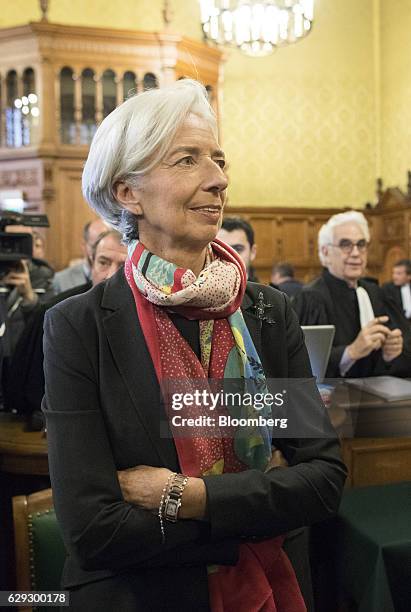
371 333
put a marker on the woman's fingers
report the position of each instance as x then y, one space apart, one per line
277 460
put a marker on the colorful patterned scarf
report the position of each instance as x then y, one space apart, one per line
263 579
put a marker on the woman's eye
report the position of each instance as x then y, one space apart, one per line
221 163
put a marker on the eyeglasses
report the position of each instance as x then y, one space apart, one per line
347 246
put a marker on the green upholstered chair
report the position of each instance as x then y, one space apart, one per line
39 546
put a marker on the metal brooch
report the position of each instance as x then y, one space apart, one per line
260 309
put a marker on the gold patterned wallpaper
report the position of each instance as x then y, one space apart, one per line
127 14
305 115
302 127
395 91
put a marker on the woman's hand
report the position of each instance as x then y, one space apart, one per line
277 460
143 486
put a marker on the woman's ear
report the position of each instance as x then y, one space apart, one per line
128 197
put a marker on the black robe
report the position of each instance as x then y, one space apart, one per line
330 301
393 292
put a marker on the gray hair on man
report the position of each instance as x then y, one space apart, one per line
111 232
134 139
326 233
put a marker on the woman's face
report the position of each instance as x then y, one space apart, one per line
180 202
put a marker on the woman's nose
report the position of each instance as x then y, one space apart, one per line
215 178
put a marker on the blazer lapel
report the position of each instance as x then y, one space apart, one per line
133 360
253 323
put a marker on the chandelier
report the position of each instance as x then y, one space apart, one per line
256 27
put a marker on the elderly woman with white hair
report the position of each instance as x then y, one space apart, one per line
153 520
371 335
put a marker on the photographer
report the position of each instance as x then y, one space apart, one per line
21 300
25 388
25 280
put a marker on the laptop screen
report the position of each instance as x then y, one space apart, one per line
319 340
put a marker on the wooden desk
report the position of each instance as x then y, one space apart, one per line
21 451
380 452
377 461
357 413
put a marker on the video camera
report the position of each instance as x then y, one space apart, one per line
17 246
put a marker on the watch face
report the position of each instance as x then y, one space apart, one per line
172 508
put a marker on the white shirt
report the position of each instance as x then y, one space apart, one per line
366 315
406 299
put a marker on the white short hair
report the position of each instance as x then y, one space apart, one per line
326 233
135 138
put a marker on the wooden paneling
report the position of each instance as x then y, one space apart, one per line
74 212
373 461
285 234
291 234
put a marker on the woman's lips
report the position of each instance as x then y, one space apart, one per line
209 212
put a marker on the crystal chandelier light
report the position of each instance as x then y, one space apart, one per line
256 27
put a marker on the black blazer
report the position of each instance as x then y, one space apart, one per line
103 411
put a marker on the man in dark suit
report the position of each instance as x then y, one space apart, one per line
371 334
282 278
399 290
80 273
239 235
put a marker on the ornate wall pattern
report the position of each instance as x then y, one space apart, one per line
299 127
395 91
127 14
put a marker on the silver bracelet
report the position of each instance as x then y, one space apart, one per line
172 502
160 507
